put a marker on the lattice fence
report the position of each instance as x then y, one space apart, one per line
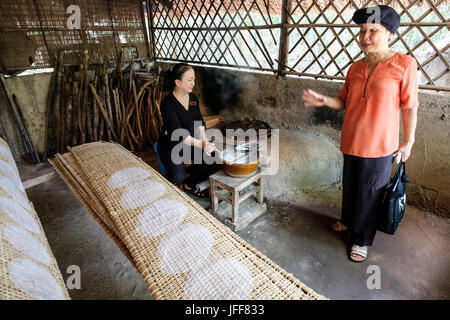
224 33
294 37
33 31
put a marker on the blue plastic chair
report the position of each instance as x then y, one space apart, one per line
163 170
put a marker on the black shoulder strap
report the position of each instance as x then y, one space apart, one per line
398 173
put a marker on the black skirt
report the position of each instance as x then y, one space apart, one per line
362 192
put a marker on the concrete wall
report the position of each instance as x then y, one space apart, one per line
278 102
31 92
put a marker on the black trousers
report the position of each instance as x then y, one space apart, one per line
362 192
176 173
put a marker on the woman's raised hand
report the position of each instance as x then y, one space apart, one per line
312 98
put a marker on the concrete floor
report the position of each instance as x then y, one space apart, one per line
413 264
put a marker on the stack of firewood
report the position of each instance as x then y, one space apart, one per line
86 103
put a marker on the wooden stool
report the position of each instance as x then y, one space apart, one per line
221 181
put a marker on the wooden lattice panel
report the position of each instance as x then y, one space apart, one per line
319 38
323 40
228 33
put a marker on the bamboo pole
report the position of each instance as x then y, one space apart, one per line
113 28
284 39
107 96
81 125
75 112
68 108
144 27
85 112
101 128
95 109
295 25
148 127
57 108
63 112
103 92
122 125
48 109
20 123
117 110
151 27
103 111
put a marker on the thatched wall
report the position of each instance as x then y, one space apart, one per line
32 32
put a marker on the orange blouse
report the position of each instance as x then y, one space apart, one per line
371 126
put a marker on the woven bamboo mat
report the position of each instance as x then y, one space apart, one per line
90 202
28 269
181 250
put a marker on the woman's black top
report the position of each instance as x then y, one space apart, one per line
175 116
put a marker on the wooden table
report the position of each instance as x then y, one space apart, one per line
221 181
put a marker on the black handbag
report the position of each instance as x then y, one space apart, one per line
393 205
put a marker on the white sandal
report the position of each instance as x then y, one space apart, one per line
360 251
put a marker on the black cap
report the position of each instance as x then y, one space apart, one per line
384 15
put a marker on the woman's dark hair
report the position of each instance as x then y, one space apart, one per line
175 74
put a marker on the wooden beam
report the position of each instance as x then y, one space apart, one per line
284 38
38 180
147 44
152 29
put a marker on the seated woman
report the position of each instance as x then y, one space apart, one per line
180 109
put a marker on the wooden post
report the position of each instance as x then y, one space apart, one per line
75 113
47 112
63 111
214 199
113 29
104 112
84 110
152 29
147 44
261 190
56 108
95 109
107 94
235 206
81 125
68 109
284 37
38 12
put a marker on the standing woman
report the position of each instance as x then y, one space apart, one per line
180 109
376 88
